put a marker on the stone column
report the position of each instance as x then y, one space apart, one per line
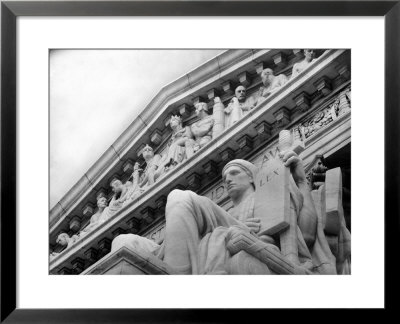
219 117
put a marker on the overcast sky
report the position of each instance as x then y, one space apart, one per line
95 95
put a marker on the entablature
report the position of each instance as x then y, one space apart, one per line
242 140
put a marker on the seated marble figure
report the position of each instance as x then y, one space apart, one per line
64 239
124 193
201 130
153 168
176 148
238 107
198 231
309 57
271 83
97 218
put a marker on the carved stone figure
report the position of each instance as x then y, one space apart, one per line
239 106
300 66
202 130
271 83
96 218
219 117
64 240
134 189
122 196
176 151
153 167
134 242
200 236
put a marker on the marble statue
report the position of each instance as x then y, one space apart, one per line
64 240
129 191
176 149
271 83
134 189
300 66
198 231
153 167
238 107
96 218
202 130
135 242
123 194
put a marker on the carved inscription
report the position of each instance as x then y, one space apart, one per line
272 198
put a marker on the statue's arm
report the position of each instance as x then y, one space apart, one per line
283 79
144 181
229 108
307 219
295 70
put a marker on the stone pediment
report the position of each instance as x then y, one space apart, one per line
242 140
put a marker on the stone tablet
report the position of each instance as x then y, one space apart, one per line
272 197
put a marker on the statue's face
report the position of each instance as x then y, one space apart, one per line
240 93
62 240
309 54
267 76
236 180
116 186
102 202
148 153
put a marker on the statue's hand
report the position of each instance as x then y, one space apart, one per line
136 167
235 100
292 160
254 224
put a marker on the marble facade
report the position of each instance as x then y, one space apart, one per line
191 142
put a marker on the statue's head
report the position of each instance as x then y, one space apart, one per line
102 202
62 239
309 54
200 106
240 93
117 186
267 75
175 121
238 176
147 152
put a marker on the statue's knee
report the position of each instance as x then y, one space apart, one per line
177 196
177 202
121 240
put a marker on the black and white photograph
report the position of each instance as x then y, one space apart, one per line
209 147
200 161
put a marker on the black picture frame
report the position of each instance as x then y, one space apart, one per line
10 10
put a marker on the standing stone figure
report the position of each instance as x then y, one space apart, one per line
176 151
201 130
134 189
308 59
271 83
239 106
198 231
152 170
